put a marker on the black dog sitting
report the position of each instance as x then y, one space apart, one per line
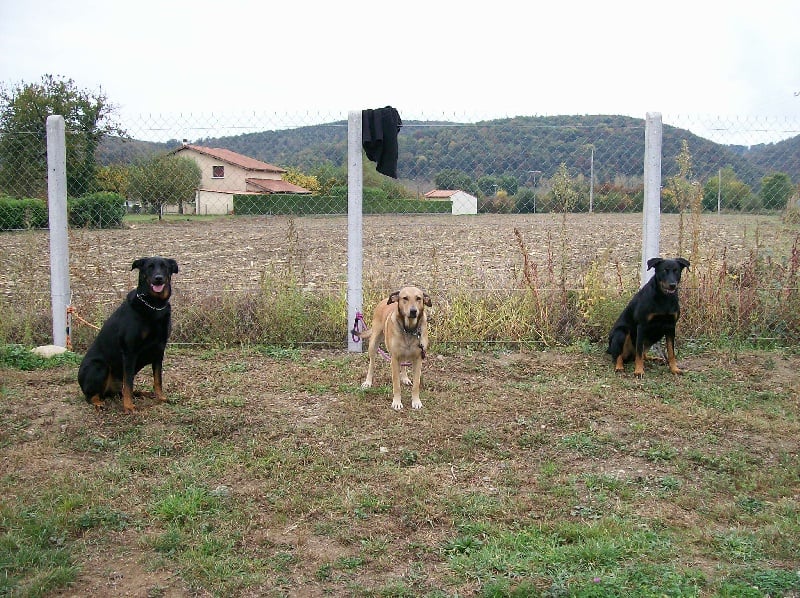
649 316
134 336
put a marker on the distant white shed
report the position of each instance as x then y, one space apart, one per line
463 202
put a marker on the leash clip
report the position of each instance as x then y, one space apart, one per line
357 328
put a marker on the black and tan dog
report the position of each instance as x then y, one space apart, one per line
649 316
134 336
402 324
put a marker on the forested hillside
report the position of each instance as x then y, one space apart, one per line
522 147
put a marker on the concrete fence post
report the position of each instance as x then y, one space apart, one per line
355 188
59 240
651 211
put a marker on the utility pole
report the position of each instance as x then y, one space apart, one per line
591 181
534 173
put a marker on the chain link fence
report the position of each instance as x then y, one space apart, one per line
523 229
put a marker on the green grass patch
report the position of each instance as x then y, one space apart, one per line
19 357
599 558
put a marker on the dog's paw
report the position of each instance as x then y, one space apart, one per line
397 405
416 404
405 380
366 384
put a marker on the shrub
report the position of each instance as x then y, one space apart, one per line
97 210
16 214
280 204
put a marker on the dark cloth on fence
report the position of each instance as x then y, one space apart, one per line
379 129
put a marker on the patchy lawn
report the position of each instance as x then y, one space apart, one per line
271 473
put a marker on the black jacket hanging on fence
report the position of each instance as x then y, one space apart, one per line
379 129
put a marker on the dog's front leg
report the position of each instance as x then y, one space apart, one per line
417 374
158 389
638 370
397 403
128 373
673 363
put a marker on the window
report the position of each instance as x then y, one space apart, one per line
217 172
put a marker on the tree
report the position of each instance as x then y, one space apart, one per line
564 193
488 185
776 189
163 180
306 181
88 117
732 193
329 177
113 178
455 179
525 201
678 195
509 183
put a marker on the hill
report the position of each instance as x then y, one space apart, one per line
516 146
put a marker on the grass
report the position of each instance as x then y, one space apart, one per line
271 472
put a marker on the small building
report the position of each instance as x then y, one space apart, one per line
463 202
226 173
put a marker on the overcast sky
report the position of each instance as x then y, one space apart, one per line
427 58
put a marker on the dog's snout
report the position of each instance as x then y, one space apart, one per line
412 312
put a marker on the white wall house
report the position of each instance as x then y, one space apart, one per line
463 202
226 173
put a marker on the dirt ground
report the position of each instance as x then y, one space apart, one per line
228 254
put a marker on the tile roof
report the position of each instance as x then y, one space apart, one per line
441 193
232 158
273 186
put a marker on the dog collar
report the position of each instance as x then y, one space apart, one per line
141 298
414 332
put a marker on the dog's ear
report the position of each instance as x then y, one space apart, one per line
138 263
426 299
173 265
393 297
653 262
683 262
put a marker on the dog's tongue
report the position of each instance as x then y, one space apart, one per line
157 288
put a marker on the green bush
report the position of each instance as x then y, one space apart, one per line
288 204
97 210
16 214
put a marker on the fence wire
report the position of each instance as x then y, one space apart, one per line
524 229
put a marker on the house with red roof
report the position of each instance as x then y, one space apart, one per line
226 173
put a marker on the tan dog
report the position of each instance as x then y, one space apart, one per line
402 324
